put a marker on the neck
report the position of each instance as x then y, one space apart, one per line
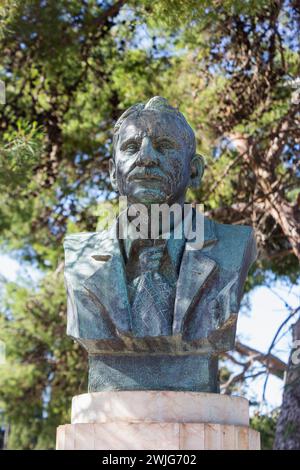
151 220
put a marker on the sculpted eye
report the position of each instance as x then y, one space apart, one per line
164 145
132 147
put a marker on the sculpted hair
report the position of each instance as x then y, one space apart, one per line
156 104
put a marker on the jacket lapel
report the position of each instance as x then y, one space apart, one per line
107 285
195 271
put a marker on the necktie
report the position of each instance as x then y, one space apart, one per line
152 296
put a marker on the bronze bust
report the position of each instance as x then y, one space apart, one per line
152 314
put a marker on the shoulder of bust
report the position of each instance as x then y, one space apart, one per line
234 243
75 239
244 232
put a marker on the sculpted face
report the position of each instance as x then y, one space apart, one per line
152 159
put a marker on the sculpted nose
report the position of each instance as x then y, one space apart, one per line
147 154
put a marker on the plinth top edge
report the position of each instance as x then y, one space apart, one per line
159 406
158 393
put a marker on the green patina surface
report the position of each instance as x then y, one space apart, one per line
158 318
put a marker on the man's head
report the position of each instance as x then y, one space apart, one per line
154 154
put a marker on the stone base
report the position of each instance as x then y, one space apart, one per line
151 420
156 436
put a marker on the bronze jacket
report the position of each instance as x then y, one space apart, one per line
208 293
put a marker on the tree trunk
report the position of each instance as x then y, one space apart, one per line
288 426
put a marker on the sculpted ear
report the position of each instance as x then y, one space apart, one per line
197 170
112 173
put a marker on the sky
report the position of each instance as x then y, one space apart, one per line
256 327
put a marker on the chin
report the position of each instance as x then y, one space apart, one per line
148 196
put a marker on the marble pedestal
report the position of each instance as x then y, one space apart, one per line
156 420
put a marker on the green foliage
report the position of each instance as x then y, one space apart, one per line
180 12
18 157
70 69
7 9
266 425
43 368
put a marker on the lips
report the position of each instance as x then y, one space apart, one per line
146 176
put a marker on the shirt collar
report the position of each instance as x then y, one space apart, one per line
175 246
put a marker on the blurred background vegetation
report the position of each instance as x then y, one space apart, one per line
70 68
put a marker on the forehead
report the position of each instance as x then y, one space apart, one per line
153 124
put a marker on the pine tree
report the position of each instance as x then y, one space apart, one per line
70 69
